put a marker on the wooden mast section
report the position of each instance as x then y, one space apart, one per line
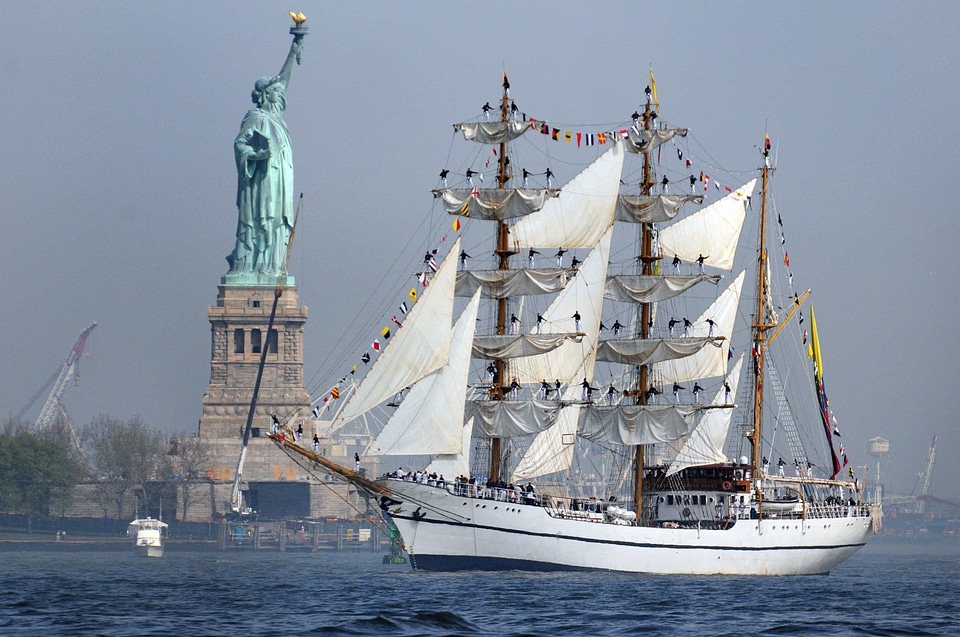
504 253
646 260
760 326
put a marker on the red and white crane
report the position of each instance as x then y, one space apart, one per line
52 409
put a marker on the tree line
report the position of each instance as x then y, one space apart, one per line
121 459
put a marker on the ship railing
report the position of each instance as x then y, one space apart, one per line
838 510
483 491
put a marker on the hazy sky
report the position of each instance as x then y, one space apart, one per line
118 180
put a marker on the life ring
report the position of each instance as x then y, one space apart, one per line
727 485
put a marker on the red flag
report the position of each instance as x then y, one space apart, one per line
786 259
376 346
578 140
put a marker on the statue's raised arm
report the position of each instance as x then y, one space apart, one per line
264 157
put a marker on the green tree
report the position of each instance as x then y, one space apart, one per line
190 461
125 457
37 475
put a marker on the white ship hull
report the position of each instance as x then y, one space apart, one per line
443 531
143 549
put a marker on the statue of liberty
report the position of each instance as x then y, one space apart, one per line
265 198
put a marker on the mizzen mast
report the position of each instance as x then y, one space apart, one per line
760 325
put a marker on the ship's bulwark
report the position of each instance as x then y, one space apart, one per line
446 532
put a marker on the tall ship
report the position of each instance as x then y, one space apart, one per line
610 389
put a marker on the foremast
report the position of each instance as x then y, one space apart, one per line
503 254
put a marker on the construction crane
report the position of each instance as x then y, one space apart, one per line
927 476
52 409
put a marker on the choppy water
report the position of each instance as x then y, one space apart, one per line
889 588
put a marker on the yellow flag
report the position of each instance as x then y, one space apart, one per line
456 225
816 344
413 294
653 87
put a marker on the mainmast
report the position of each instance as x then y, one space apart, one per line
760 326
646 260
503 252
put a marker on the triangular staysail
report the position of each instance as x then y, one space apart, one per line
421 346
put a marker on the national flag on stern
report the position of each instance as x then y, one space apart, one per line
822 395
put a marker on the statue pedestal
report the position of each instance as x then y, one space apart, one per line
238 326
249 279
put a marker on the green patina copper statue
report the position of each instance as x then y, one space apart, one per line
265 196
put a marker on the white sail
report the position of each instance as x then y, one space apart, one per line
421 346
709 361
499 284
505 346
450 465
636 424
492 132
705 444
505 418
642 140
639 288
712 232
430 418
651 350
494 204
652 208
582 212
584 296
552 450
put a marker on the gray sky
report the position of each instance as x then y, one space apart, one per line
118 178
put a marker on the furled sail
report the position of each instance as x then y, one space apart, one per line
583 296
654 350
652 208
492 132
500 284
506 346
711 232
430 418
709 362
421 346
640 288
492 204
581 214
504 418
636 424
640 140
705 444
